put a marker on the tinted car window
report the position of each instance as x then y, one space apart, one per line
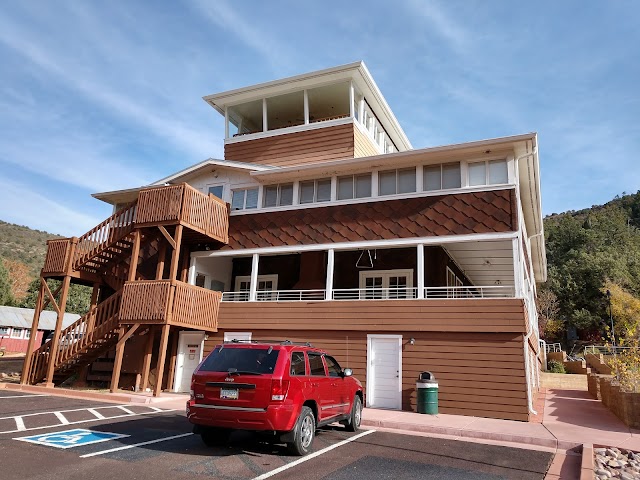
298 366
333 366
315 364
247 360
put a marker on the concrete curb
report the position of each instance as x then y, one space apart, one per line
84 395
475 434
587 467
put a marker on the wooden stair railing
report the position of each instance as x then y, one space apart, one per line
86 334
105 235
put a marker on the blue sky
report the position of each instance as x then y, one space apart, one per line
97 96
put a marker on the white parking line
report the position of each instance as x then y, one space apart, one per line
20 424
63 411
312 455
98 415
21 427
126 447
22 396
126 410
62 418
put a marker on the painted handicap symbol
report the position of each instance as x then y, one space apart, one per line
71 438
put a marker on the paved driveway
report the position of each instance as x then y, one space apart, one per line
49 437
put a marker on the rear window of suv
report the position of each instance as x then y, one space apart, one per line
243 360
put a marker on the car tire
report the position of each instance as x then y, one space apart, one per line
213 437
304 433
353 424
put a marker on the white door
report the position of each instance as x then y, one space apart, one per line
384 375
189 356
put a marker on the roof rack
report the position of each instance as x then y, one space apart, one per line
281 342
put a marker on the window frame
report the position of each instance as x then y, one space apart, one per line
278 187
223 186
440 166
487 163
324 367
17 333
6 333
386 275
328 358
354 187
244 198
397 177
315 190
304 361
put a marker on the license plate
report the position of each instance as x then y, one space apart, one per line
229 393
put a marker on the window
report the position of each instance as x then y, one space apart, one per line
387 284
217 190
244 199
4 331
441 177
200 280
315 191
329 102
397 181
354 186
333 367
217 285
285 110
493 172
243 359
454 281
266 285
245 118
298 366
16 333
278 195
27 333
316 366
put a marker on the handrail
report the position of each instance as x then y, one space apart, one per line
105 234
377 293
77 337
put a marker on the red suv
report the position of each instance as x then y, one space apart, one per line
280 387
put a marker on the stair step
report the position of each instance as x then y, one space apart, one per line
98 378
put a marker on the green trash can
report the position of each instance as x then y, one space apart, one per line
427 390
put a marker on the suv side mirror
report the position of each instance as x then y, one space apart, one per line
347 372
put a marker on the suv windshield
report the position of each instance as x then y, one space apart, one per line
241 360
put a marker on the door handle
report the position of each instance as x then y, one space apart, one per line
315 384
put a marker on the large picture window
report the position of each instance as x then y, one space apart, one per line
492 172
392 182
244 198
441 177
278 195
315 191
354 186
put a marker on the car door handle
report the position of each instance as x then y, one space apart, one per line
315 384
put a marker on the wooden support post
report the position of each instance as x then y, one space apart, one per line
172 359
162 355
26 367
185 267
117 364
55 342
175 255
146 363
162 254
94 302
135 253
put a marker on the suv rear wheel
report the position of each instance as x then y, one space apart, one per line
353 424
305 431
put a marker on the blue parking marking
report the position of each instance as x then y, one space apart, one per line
71 438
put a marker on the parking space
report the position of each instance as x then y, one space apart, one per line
145 442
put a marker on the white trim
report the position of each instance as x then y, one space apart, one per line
385 274
253 285
375 197
306 106
229 336
179 372
330 268
285 130
226 122
264 117
420 273
396 242
369 388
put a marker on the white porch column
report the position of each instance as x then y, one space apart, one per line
420 262
264 115
192 272
352 112
517 268
329 284
253 287
306 108
226 122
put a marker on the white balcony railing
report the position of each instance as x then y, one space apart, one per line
399 293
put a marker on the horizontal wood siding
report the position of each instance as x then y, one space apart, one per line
466 315
363 145
311 146
476 356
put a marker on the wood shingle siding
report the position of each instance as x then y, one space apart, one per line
300 148
468 383
459 214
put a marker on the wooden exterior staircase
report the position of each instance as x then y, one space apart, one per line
111 257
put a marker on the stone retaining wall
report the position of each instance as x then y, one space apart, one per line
624 405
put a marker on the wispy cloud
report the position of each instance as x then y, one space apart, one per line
441 22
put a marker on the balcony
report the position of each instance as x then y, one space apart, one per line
159 302
439 293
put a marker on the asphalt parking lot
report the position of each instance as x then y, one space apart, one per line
48 437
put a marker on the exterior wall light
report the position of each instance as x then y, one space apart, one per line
412 341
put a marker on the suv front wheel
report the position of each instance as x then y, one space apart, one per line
304 433
353 424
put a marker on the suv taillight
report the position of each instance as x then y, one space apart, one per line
279 389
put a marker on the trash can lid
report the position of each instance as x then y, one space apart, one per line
426 376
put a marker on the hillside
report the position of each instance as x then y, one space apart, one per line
589 252
24 245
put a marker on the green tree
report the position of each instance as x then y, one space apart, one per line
78 299
6 298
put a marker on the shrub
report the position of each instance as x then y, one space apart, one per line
556 367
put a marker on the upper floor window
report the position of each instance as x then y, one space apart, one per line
441 177
329 102
278 195
245 118
488 172
216 190
315 191
285 110
17 333
4 331
354 186
392 182
244 198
